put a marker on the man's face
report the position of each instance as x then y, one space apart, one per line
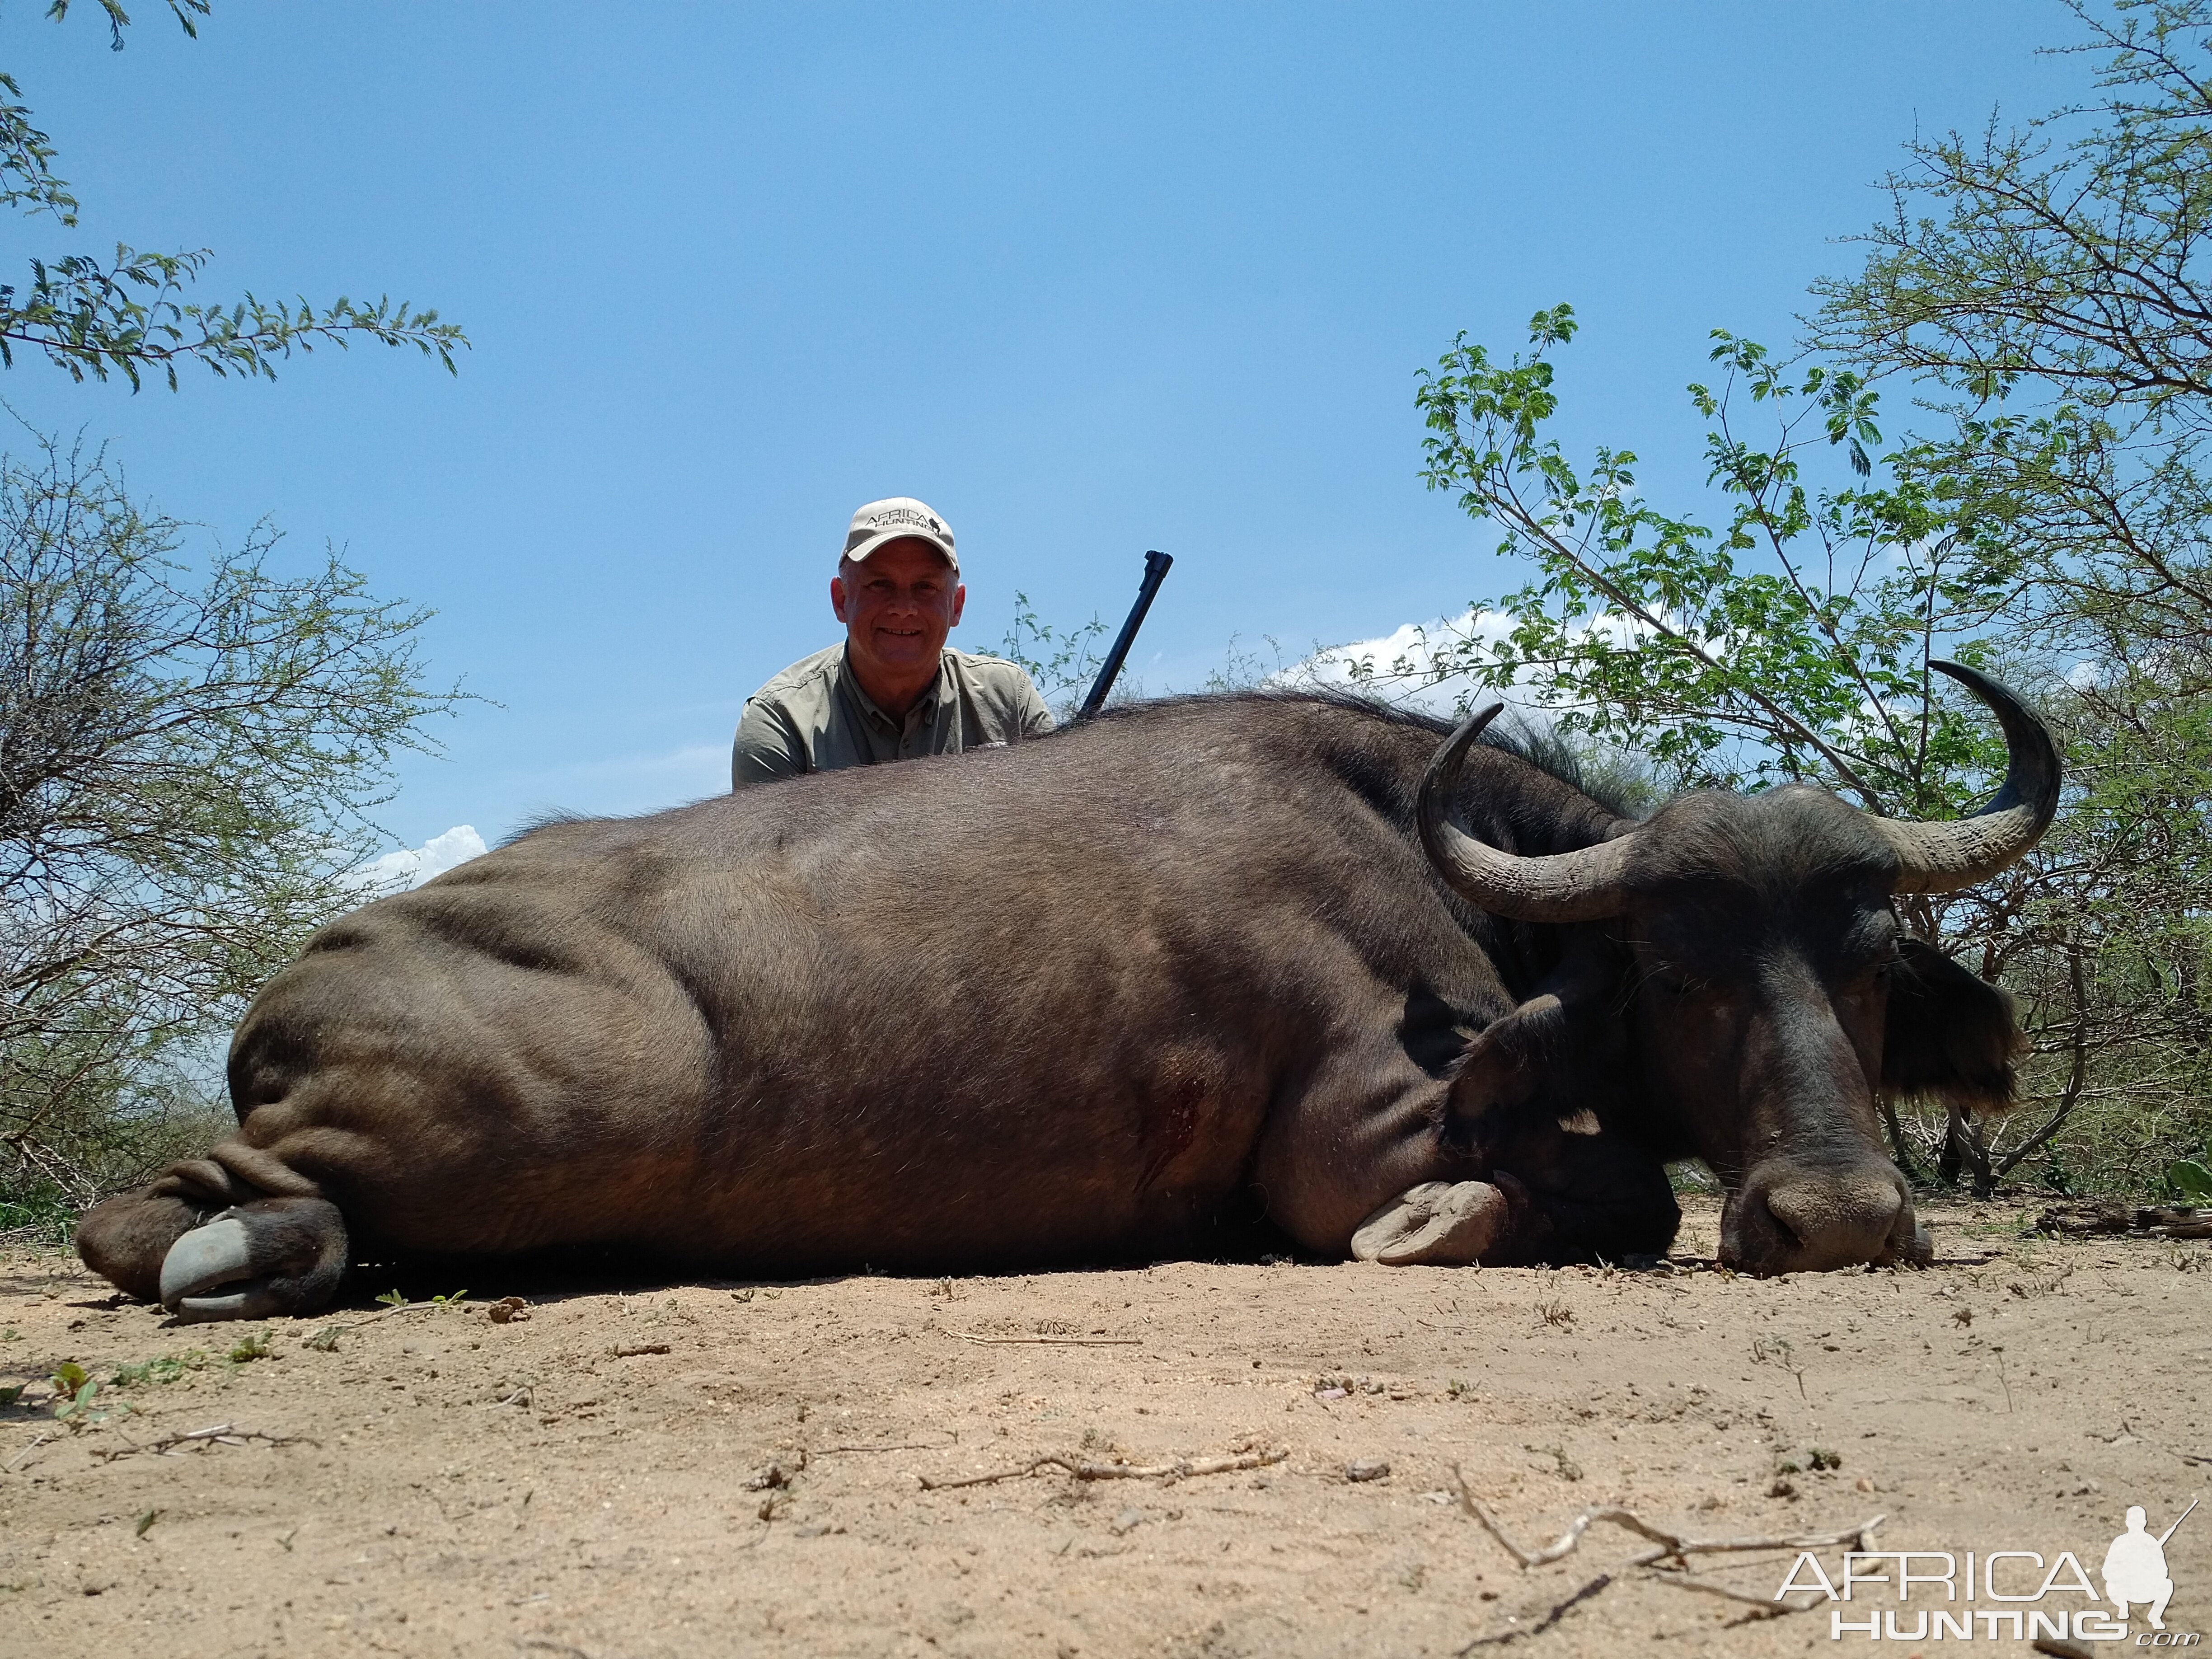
897 607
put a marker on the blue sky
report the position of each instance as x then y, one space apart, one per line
1089 279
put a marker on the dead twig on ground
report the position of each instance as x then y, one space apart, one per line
1666 1547
1671 1546
25 1453
1082 1470
2192 1459
889 1445
400 1308
634 1349
223 1434
1060 1341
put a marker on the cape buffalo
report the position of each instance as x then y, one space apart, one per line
1079 999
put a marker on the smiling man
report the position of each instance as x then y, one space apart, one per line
893 690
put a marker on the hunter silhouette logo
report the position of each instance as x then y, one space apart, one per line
2134 1568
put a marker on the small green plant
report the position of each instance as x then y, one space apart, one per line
1459 1388
1779 1351
9 1395
2190 1180
323 1340
74 1392
1566 1467
162 1369
255 1345
456 1297
1819 1457
393 1299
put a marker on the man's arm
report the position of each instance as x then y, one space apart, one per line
767 748
1034 718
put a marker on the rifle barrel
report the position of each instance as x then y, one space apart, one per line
2178 1519
1156 572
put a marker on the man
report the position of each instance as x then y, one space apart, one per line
892 690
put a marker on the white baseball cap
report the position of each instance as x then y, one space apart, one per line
894 519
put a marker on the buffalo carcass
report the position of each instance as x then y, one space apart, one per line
1409 997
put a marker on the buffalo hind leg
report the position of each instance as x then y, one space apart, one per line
273 1256
209 1245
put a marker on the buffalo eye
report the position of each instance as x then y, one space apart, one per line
1869 979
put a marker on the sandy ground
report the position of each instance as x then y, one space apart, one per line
711 1469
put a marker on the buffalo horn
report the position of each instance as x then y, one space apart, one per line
1941 857
1578 886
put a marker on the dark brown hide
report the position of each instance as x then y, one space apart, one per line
1073 999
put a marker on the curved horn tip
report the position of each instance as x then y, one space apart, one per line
1477 722
1944 858
1443 766
1990 690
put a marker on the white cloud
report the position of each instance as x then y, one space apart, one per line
411 866
1401 665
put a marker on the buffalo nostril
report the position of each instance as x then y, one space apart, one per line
1839 1219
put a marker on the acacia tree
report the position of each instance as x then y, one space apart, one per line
187 759
2046 288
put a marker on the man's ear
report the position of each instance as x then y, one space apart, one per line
837 596
959 602
1950 1033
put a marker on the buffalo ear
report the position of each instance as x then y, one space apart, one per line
1950 1033
1503 1066
1563 1045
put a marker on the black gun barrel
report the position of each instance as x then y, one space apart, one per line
1156 572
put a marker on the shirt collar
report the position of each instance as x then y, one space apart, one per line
877 712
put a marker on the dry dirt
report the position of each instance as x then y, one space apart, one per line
592 1480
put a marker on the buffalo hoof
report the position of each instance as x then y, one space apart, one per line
278 1255
1448 1223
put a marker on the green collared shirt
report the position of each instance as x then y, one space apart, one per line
814 717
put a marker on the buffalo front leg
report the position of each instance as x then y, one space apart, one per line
208 1239
1376 1180
1438 1223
